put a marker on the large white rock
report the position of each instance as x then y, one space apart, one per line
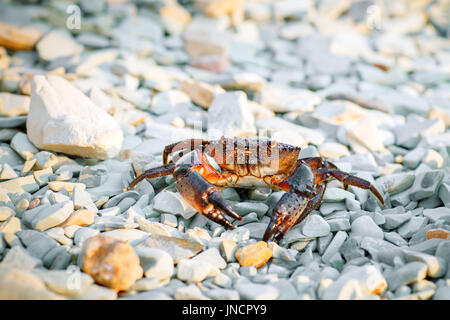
62 119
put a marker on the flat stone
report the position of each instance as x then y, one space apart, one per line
64 283
315 226
23 146
12 225
193 270
82 199
174 203
110 262
256 254
19 284
356 283
190 292
408 229
438 234
63 185
442 293
58 44
177 248
133 236
364 226
38 244
18 257
395 220
156 263
437 267
410 273
438 213
212 257
334 246
82 234
13 104
426 184
55 215
243 208
222 294
82 218
250 291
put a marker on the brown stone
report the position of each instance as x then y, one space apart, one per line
438 234
18 38
200 93
255 254
111 262
82 218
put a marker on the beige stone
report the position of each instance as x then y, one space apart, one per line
255 254
438 234
110 262
82 218
18 38
174 17
200 93
13 104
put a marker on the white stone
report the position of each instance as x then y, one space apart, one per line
58 44
63 119
228 116
364 226
13 104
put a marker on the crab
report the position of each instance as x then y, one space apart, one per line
202 167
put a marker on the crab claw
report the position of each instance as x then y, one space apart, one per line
203 196
291 209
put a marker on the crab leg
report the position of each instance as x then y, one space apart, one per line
192 183
347 179
152 173
292 208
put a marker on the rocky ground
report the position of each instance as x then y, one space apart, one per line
92 91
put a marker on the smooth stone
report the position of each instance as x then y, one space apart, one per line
437 267
177 248
133 236
334 246
250 291
395 220
356 283
192 270
55 215
240 122
190 292
38 244
339 224
58 44
256 254
442 293
19 284
380 250
211 256
156 263
244 208
315 226
174 203
364 226
64 282
82 234
437 213
426 184
18 257
410 273
337 195
408 229
13 104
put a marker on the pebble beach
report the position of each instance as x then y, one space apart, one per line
92 91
